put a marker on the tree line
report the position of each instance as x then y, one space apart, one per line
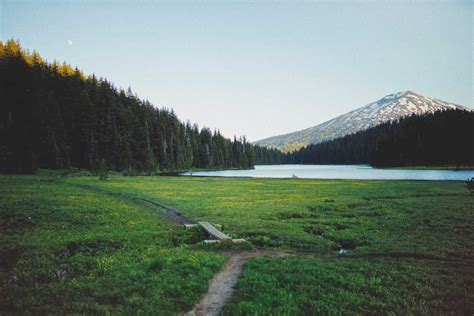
54 116
440 138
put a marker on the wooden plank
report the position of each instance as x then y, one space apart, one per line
213 231
188 226
213 241
238 241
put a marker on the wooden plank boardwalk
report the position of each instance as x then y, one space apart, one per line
214 232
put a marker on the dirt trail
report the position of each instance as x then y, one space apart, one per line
222 286
174 215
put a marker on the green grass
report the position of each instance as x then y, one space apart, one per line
427 217
410 244
69 250
402 230
322 286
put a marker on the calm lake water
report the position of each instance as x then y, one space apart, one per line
338 172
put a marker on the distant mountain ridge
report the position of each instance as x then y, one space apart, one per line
389 108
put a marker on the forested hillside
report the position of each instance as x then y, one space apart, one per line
54 116
440 138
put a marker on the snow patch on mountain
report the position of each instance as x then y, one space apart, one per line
389 108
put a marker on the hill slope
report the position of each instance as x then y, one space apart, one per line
389 108
53 116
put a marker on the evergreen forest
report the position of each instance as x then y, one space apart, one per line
55 116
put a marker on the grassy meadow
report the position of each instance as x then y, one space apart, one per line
66 250
75 245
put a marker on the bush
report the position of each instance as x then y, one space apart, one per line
102 170
470 185
130 172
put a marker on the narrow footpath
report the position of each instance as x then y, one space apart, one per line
222 286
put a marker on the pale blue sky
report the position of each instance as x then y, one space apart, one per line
257 68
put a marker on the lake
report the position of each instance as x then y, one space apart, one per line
338 172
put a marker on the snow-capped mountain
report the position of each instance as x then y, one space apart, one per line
389 108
